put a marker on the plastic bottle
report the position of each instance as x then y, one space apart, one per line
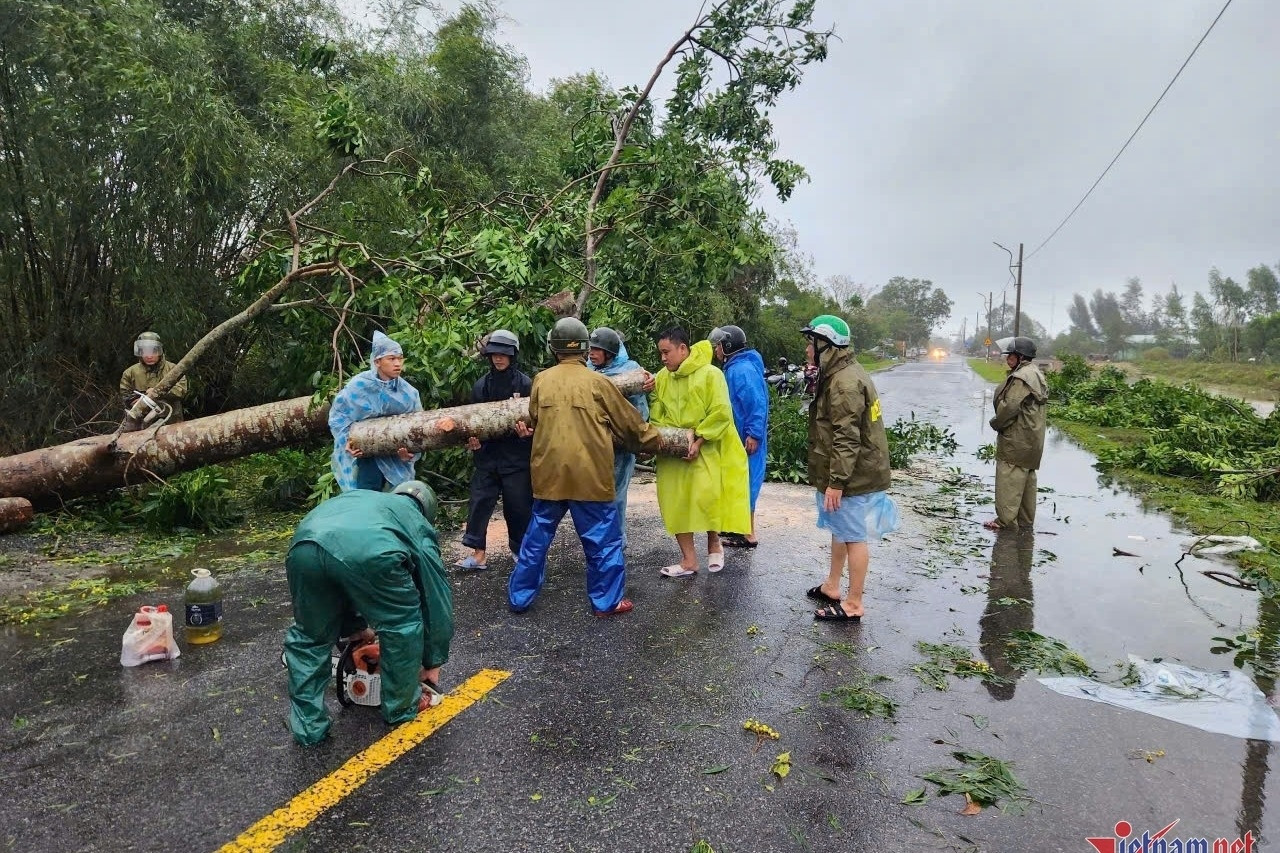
204 608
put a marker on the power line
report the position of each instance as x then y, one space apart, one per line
1132 135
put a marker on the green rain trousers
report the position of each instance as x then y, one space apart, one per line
374 553
1015 495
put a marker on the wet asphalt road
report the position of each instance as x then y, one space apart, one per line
626 734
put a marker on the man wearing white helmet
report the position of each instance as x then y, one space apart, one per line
141 378
501 464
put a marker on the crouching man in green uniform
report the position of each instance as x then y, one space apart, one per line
376 554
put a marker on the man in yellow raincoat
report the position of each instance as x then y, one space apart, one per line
708 489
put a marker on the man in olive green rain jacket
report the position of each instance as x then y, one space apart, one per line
574 416
375 554
145 375
1019 423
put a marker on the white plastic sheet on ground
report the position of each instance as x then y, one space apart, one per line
1219 545
1225 702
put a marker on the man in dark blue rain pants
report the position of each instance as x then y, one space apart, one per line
375 554
574 416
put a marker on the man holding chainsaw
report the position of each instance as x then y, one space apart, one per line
141 379
375 554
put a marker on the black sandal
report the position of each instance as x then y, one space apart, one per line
834 613
817 594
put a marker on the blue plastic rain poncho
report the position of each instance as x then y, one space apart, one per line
749 394
367 396
711 492
624 462
621 363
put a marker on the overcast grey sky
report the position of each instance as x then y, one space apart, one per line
934 128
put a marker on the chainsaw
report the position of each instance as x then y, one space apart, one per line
356 675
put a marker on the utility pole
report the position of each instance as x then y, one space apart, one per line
1017 300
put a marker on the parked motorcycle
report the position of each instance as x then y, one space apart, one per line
788 383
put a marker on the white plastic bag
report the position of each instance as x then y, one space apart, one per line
149 637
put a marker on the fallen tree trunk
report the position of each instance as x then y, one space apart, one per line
432 430
15 513
94 464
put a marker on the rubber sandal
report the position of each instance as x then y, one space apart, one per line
715 561
623 606
736 541
816 593
469 564
834 613
431 693
675 570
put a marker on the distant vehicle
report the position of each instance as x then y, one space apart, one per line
939 353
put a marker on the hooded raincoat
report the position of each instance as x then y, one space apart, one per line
1019 422
749 394
367 396
376 554
711 492
624 461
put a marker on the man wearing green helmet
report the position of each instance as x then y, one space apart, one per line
574 416
375 554
848 462
141 378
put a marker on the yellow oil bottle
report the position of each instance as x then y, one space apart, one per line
203 601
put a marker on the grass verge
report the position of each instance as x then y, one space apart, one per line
992 371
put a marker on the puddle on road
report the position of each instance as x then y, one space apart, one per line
1067 582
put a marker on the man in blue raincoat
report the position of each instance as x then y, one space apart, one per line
375 554
609 357
375 393
749 395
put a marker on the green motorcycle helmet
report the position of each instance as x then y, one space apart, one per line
423 495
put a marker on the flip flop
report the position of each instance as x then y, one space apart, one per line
715 561
817 594
737 542
834 613
469 564
623 606
675 570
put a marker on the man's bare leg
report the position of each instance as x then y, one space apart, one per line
831 586
859 557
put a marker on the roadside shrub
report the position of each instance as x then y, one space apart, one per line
200 499
288 477
788 460
1155 354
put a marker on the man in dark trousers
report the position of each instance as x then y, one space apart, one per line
374 554
501 464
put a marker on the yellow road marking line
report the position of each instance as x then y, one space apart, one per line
270 832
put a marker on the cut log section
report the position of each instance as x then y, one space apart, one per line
15 513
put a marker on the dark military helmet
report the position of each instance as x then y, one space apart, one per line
732 338
147 342
1022 347
568 337
423 495
606 339
500 342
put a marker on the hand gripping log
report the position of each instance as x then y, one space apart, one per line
439 428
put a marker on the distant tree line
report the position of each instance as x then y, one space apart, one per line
1234 322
